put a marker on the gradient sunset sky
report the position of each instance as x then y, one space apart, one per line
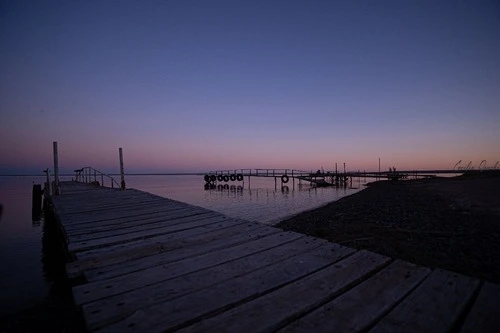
202 85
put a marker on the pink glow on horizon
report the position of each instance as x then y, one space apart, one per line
414 84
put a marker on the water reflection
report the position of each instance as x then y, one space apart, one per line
260 200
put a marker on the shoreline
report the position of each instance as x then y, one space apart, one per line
451 223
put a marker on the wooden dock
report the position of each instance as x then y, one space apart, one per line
151 264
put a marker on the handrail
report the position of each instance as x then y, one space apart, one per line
85 174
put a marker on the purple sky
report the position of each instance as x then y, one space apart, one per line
203 85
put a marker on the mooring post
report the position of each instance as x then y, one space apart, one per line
378 178
46 189
122 174
36 202
56 170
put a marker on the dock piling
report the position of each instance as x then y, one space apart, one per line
56 170
122 173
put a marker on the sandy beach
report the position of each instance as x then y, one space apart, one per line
451 223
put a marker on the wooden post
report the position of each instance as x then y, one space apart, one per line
36 202
46 189
56 170
122 174
378 178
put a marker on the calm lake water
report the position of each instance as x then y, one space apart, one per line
23 276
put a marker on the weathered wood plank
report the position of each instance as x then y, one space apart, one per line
358 308
102 252
84 219
226 294
71 201
184 249
170 219
138 279
435 306
114 308
110 204
158 244
112 223
295 299
485 313
112 240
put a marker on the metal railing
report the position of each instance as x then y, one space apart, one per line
92 176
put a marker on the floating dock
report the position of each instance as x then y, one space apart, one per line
151 264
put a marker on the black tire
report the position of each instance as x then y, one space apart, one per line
284 179
226 178
232 177
213 178
239 177
207 178
220 178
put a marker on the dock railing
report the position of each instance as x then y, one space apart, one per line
92 176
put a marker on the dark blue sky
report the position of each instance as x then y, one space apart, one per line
196 85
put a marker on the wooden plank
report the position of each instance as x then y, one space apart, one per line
295 299
485 313
89 201
184 250
170 219
435 306
77 202
83 219
98 204
158 244
354 311
121 223
188 223
168 315
137 279
181 283
112 223
154 240
77 205
96 216
71 201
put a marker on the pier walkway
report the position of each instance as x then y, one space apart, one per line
150 264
